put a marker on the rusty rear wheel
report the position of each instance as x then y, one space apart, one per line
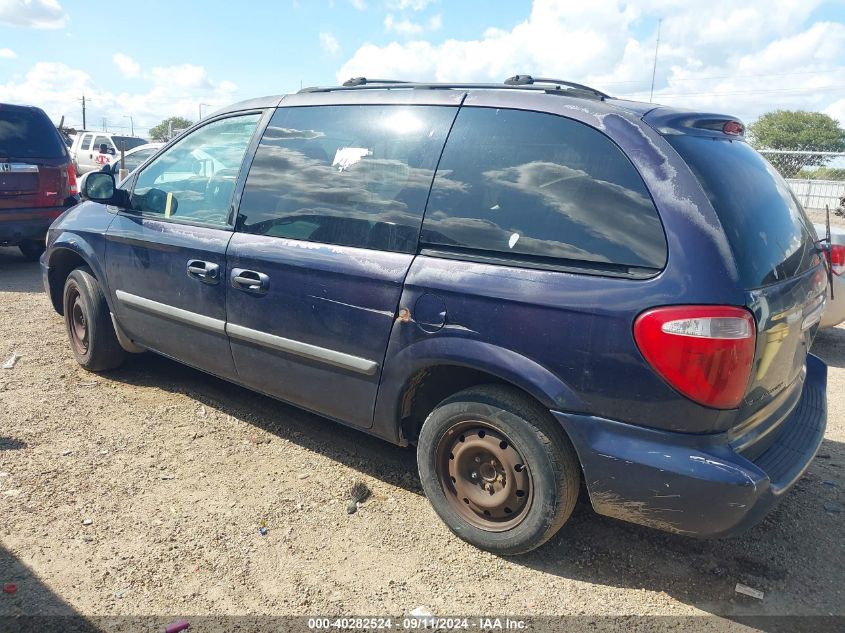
498 469
484 476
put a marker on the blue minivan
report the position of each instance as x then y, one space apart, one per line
549 291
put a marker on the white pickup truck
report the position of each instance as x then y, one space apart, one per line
86 149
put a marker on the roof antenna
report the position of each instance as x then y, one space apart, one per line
654 68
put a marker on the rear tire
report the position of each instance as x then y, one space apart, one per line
31 249
88 323
498 469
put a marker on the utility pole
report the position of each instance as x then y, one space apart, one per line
131 124
83 113
105 125
654 68
200 110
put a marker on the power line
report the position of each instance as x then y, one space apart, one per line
640 81
826 89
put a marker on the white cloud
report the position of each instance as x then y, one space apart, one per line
409 5
39 14
170 91
359 4
329 43
837 110
740 56
402 27
7 53
409 28
128 66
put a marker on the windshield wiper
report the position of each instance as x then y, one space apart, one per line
824 246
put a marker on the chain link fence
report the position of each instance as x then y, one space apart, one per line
817 178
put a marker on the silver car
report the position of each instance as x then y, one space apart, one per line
133 159
834 313
87 145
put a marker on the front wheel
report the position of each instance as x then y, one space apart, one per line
88 323
497 469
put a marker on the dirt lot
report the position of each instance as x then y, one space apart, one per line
143 491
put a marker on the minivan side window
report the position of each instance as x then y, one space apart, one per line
195 178
541 189
354 175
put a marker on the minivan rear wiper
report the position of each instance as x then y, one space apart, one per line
824 246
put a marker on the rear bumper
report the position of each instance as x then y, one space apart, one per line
17 225
696 484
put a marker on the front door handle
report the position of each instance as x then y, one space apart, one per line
250 281
206 272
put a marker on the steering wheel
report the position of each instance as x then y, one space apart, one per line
220 185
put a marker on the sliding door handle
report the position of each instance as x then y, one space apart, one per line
250 281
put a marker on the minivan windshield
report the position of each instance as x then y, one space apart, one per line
767 229
26 133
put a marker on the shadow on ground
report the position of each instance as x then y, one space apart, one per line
11 444
591 548
33 606
829 345
18 275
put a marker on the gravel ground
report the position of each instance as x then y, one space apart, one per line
142 492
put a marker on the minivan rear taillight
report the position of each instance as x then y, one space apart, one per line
837 259
705 352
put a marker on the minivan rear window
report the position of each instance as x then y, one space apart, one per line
540 190
767 229
26 133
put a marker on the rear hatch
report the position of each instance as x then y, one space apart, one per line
774 246
33 160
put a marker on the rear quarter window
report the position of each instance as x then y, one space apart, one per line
28 133
540 189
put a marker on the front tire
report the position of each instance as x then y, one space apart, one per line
31 249
88 322
498 469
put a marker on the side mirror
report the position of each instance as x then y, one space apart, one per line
99 186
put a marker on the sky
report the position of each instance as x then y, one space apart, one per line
140 62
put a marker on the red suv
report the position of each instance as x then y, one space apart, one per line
37 179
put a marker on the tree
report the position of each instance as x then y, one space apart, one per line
797 131
822 173
161 132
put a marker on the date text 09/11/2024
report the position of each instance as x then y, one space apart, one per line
420 622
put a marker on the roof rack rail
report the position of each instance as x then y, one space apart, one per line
363 81
517 82
528 80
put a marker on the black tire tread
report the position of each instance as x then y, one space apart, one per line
104 350
559 449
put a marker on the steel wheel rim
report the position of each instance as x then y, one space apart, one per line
484 477
78 324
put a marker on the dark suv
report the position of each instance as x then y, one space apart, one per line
37 179
538 285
